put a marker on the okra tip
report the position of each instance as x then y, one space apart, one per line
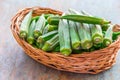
50 28
87 44
40 40
97 39
30 40
49 20
23 35
36 34
105 22
107 42
76 45
46 46
66 51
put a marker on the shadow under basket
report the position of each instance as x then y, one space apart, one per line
87 62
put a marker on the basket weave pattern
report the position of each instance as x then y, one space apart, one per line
88 62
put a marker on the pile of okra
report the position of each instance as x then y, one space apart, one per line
72 32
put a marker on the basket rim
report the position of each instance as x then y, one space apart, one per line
56 53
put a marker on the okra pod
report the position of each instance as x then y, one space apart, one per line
51 44
45 15
25 25
57 49
64 38
30 37
35 18
53 20
105 27
48 15
85 36
46 36
85 19
39 26
108 36
75 41
52 27
115 35
45 29
39 45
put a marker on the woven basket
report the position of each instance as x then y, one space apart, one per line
88 62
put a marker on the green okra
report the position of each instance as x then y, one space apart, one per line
85 19
108 36
51 44
35 18
52 27
40 25
75 41
85 36
115 35
25 25
96 32
45 29
30 37
46 36
57 49
64 38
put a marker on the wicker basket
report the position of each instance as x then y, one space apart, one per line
88 62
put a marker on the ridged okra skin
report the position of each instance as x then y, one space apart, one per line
108 36
51 44
85 36
85 19
40 25
96 33
46 36
30 37
64 38
74 38
25 25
